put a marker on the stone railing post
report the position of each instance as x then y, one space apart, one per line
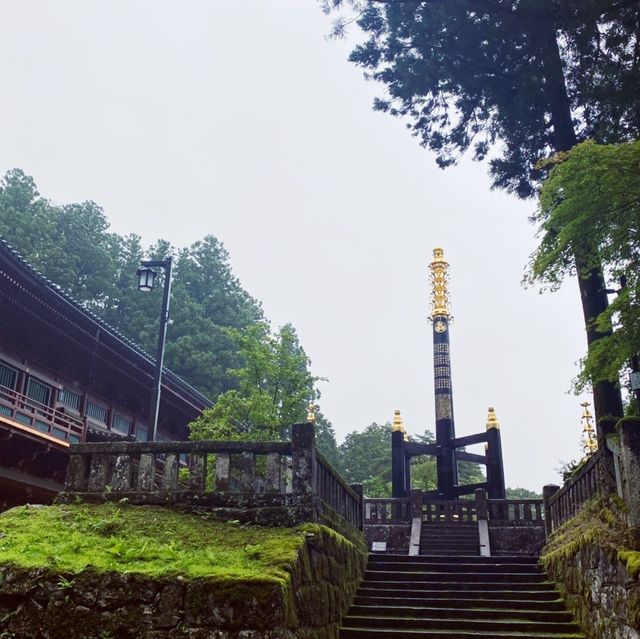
415 510
629 431
482 513
416 503
547 492
303 459
76 473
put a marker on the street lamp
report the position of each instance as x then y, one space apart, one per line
146 277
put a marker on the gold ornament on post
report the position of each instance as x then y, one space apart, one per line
492 420
589 438
398 425
311 413
439 285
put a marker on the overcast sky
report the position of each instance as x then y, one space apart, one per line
241 120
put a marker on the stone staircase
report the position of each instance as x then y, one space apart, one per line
449 539
452 592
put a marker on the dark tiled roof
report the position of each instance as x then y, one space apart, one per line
127 344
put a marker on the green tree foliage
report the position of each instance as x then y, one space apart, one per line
522 493
592 198
69 244
326 440
274 388
503 75
72 246
514 81
365 458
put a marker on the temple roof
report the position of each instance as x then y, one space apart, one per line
126 347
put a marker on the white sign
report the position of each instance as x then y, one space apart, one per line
379 546
635 380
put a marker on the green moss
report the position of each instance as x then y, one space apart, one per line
147 540
600 522
631 559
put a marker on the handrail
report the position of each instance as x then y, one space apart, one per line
580 488
334 491
187 447
38 415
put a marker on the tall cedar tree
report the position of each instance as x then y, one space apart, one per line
72 246
514 81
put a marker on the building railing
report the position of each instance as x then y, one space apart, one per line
387 511
266 482
514 512
39 417
462 511
501 512
564 503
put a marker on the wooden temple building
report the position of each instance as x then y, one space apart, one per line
66 376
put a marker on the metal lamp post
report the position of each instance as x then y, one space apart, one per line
146 276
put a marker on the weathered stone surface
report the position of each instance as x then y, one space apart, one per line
397 536
121 479
98 472
600 592
516 540
146 472
170 472
42 604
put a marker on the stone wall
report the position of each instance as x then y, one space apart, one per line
309 604
397 536
516 540
599 590
595 560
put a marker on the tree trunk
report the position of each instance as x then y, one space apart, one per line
606 395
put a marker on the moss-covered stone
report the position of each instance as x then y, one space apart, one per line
300 593
593 558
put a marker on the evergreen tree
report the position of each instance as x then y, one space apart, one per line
513 80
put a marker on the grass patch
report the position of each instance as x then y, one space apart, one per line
146 540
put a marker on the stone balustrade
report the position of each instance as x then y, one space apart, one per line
269 483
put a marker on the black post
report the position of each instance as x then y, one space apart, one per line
398 468
445 429
495 468
154 407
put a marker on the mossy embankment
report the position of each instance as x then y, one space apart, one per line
146 540
595 559
138 571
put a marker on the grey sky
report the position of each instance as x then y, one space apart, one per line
239 119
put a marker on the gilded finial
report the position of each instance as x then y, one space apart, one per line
311 413
589 438
439 268
492 420
398 425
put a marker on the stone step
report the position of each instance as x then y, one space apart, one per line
452 534
449 525
511 559
456 577
460 566
488 613
389 633
469 601
487 625
448 586
450 543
